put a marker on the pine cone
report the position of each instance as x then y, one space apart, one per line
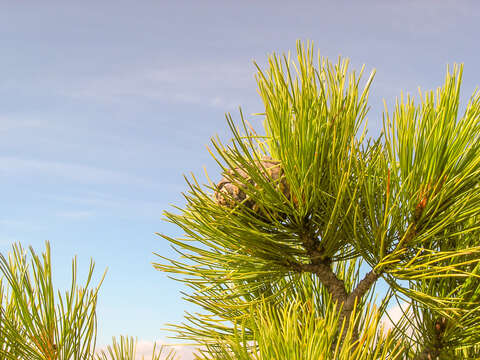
230 194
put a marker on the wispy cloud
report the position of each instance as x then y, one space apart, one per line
8 123
7 240
215 85
12 222
78 214
18 224
421 17
99 203
13 166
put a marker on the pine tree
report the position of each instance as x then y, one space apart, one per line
282 255
39 323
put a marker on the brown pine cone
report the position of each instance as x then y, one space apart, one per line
235 191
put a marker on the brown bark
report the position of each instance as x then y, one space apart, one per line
334 285
361 289
321 266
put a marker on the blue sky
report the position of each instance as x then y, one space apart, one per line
105 105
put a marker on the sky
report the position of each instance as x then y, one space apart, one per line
106 105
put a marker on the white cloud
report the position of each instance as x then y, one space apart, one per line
215 85
6 240
12 222
144 350
75 214
395 314
103 203
421 17
19 224
11 166
8 123
208 76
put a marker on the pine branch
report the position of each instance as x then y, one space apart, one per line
320 265
363 286
332 283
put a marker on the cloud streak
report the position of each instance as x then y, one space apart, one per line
16 166
8 123
75 214
197 84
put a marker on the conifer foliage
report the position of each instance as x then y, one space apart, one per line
282 255
38 323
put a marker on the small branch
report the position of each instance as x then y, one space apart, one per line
334 285
320 265
361 289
